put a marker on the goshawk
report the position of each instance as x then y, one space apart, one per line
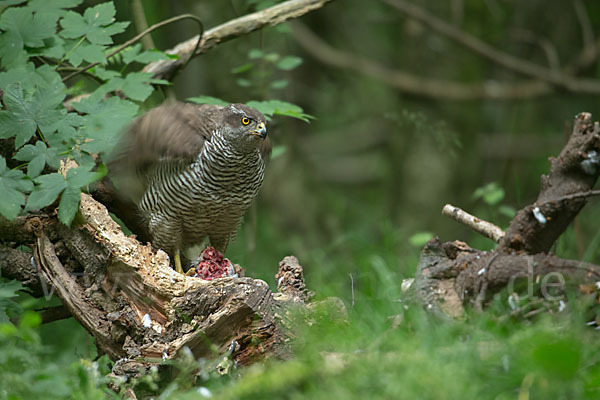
193 171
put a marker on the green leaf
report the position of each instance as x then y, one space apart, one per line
491 193
8 3
10 289
89 52
24 115
38 156
54 48
11 123
419 239
66 132
69 204
105 120
243 82
81 176
508 211
242 68
207 100
288 63
283 28
26 28
30 319
132 54
159 82
13 185
96 24
255 53
53 6
135 85
47 191
271 57
278 107
43 79
278 151
22 75
35 167
12 54
151 55
279 84
105 74
558 357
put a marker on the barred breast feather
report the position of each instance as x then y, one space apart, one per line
193 180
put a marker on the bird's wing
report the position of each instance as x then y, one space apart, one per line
173 132
169 132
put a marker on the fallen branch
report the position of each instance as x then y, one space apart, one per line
536 227
544 80
140 311
415 84
451 275
55 313
522 66
485 228
271 16
18 265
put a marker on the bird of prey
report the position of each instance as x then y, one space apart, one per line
196 169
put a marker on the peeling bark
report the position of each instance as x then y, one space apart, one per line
138 308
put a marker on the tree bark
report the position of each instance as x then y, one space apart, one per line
452 275
536 227
137 307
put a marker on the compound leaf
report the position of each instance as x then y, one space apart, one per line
69 204
13 185
48 189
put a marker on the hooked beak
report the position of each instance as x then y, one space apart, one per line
261 130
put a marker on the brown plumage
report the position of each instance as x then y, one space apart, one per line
193 170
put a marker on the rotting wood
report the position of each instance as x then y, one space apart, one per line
138 308
452 275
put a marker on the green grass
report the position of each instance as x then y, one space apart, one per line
388 347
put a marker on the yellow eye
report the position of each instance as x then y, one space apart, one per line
245 120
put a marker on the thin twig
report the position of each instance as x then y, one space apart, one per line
141 35
415 84
485 228
525 36
585 59
499 57
241 26
583 18
139 18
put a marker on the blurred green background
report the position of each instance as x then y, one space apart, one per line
377 163
357 192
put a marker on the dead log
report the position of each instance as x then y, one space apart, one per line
452 275
536 227
140 311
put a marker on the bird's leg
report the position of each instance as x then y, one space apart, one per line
177 257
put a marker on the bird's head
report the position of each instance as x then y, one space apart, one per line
244 126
